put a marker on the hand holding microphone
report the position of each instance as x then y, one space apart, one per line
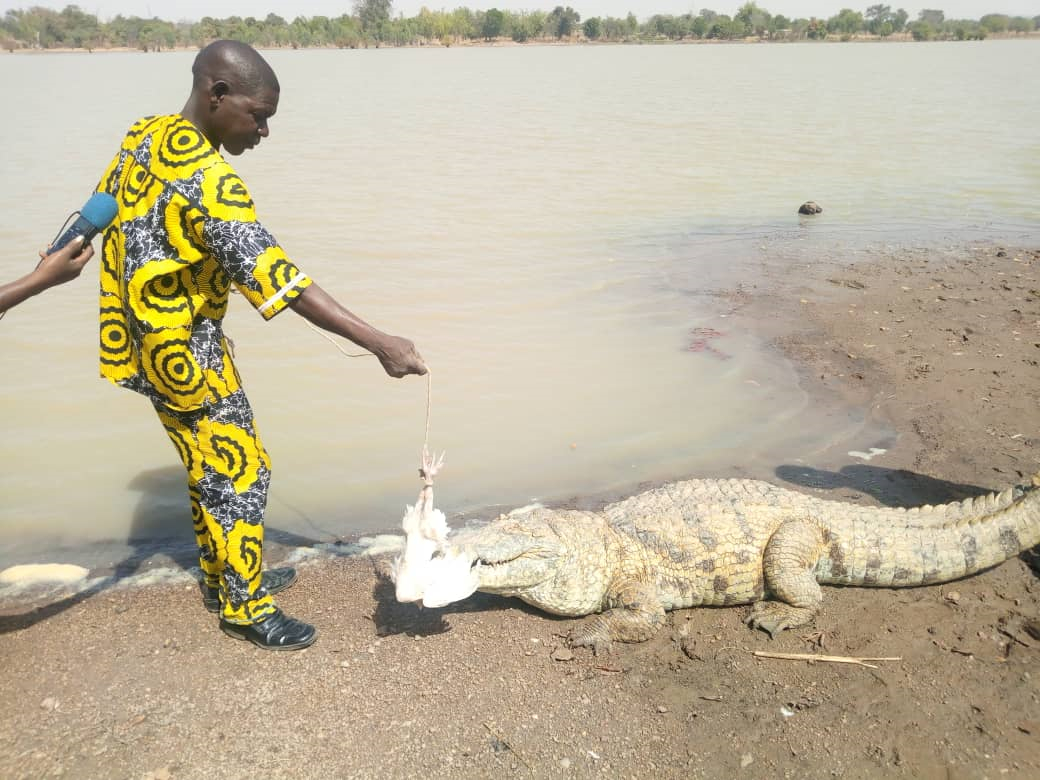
65 264
65 258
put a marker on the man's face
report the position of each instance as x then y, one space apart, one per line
241 118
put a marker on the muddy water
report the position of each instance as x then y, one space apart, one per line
552 226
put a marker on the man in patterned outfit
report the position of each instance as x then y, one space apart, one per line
185 232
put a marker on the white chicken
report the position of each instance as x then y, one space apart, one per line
422 572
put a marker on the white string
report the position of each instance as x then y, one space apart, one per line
429 404
335 343
429 378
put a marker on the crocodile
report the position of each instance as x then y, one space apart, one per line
725 542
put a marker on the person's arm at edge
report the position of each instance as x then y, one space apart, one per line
54 269
398 355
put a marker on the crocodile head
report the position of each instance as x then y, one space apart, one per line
552 560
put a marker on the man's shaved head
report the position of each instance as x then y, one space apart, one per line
234 93
234 62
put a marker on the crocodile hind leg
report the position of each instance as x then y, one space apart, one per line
637 619
789 563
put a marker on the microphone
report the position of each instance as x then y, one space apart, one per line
96 215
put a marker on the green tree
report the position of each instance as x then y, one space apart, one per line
754 20
374 14
318 30
494 24
461 24
967 30
778 25
723 28
562 21
18 25
672 27
300 33
520 33
80 29
932 18
430 25
877 17
277 30
1021 24
41 27
206 30
846 23
816 29
157 34
371 22
995 23
615 29
922 31
345 32
527 26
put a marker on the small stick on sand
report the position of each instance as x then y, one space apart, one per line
834 659
1015 637
504 742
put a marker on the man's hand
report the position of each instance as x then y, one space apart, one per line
400 357
65 264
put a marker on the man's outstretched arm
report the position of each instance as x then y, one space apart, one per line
398 355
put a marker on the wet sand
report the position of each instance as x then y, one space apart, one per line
941 344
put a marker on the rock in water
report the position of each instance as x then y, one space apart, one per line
43 573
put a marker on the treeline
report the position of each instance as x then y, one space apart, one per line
372 23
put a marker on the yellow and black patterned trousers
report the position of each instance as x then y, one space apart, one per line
228 476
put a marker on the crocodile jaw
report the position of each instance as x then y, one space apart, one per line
513 576
508 560
550 560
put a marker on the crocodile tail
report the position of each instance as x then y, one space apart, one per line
966 511
1003 533
865 552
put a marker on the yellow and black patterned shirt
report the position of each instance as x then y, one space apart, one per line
185 231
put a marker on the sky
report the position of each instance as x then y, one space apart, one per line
793 9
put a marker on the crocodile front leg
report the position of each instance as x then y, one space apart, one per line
637 618
788 563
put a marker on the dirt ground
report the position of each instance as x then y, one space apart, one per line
943 343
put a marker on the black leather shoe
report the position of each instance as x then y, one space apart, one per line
275 580
278 632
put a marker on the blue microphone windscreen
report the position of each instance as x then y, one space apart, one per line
99 210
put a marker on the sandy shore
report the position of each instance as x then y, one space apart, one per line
942 343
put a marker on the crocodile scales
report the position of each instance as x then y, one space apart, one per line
725 542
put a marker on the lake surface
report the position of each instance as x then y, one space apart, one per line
549 224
